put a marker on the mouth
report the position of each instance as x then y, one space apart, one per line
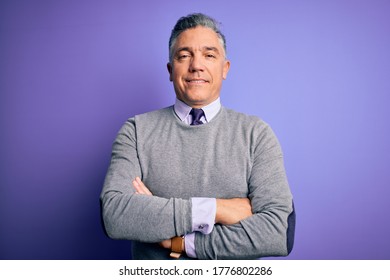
196 81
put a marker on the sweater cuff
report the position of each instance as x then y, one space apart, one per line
203 214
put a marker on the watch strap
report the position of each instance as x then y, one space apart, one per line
177 246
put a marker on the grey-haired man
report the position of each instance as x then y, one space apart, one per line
197 180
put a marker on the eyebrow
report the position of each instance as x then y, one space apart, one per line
206 48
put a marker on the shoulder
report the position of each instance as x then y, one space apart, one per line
245 120
253 127
131 124
155 115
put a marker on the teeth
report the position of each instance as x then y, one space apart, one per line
196 81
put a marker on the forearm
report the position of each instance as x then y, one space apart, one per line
145 218
232 211
262 234
268 232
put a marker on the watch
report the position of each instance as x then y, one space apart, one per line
177 245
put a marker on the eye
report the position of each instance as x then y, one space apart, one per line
183 56
210 55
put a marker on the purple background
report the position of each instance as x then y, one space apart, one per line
71 73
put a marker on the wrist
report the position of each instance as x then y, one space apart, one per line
177 246
203 214
219 213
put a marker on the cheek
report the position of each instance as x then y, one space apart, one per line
177 74
178 79
219 72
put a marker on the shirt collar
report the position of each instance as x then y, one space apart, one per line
182 110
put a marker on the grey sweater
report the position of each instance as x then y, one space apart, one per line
234 155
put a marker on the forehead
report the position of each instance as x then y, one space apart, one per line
198 37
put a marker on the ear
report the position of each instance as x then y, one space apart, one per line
169 67
225 70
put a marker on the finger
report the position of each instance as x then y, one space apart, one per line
140 187
137 187
143 187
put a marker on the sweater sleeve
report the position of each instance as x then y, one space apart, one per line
127 215
270 231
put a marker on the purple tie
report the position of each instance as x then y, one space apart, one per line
196 115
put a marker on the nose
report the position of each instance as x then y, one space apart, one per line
196 64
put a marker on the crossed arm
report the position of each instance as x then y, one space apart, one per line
228 212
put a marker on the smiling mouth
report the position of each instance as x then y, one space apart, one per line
196 81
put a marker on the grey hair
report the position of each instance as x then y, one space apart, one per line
192 21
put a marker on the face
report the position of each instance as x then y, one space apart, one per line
198 66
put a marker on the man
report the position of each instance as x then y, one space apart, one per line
197 180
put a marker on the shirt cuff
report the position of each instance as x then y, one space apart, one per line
189 244
203 214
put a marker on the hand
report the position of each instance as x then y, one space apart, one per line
231 211
167 244
140 187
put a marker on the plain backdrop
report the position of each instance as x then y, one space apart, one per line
72 72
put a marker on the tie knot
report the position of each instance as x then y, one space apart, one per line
196 115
